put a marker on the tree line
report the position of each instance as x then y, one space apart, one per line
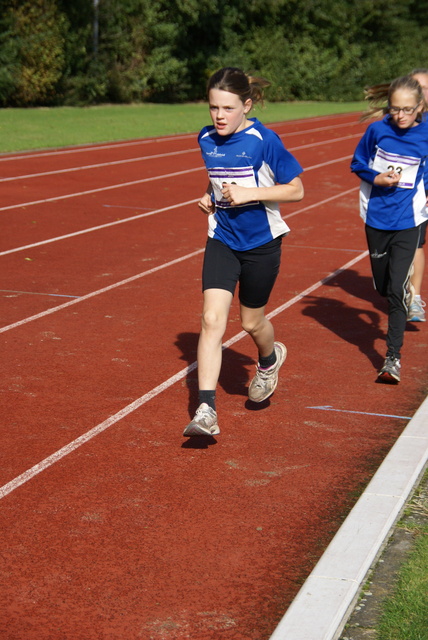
81 52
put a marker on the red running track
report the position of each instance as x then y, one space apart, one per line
113 526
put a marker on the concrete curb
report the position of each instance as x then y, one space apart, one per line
326 599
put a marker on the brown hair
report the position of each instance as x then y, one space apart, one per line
238 82
379 96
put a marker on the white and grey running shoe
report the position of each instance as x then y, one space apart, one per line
415 311
265 381
390 371
204 423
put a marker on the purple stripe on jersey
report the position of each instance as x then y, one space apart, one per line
237 172
225 176
392 157
228 169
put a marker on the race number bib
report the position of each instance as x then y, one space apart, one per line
406 166
242 176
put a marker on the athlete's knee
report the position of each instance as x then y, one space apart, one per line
252 324
212 320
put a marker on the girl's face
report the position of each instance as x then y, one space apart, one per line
404 99
228 112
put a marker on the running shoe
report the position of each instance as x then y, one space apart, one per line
390 371
415 311
265 381
204 423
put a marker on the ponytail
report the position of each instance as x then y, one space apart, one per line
379 96
238 82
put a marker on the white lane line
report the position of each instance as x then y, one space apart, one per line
324 142
316 130
93 147
141 181
321 202
99 165
96 146
152 213
136 404
100 189
93 294
320 248
98 228
153 157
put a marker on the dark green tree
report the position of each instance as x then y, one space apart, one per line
32 48
164 50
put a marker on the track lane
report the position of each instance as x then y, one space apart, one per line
106 169
211 542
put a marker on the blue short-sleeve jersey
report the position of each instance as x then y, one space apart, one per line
386 147
253 157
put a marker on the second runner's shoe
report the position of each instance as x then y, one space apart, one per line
415 311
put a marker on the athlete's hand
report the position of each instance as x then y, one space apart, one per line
387 179
235 194
206 205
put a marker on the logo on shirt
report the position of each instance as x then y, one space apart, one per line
243 155
215 154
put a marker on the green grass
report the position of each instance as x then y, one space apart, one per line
25 129
405 612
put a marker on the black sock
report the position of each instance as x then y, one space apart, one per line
269 361
208 397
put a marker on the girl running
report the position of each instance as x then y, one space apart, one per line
390 159
249 172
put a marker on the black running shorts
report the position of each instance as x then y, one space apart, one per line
256 270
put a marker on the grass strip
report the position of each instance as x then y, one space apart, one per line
405 610
41 128
405 613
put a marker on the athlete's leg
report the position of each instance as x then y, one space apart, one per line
271 354
403 249
419 268
419 262
378 242
255 323
214 321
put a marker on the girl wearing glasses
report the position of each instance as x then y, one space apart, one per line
391 161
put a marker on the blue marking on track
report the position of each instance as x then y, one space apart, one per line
37 293
364 413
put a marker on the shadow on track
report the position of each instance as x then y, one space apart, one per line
360 327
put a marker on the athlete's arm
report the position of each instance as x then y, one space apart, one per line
205 203
291 192
362 155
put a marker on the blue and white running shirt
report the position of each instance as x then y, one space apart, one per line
253 157
386 147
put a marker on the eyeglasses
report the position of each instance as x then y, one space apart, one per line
406 110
